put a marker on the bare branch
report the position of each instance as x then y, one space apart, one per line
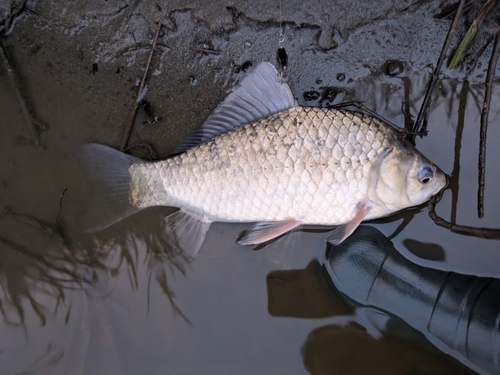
488 233
484 124
424 109
140 94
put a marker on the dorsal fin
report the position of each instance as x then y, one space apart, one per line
260 93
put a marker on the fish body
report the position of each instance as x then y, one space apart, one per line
281 167
312 164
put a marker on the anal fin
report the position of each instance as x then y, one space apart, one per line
187 231
341 232
265 231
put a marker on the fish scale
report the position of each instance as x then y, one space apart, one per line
256 171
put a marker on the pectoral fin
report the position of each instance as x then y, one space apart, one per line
341 232
265 231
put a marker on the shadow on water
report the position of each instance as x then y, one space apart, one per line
299 294
328 347
425 250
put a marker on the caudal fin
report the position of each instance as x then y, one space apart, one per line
107 170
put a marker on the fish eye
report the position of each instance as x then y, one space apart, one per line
425 174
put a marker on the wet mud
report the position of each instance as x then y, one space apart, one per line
125 301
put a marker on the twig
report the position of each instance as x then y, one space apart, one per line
204 50
31 220
36 126
365 110
139 48
140 94
484 124
488 233
453 180
55 225
450 10
483 48
424 110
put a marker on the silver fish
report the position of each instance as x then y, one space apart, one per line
262 158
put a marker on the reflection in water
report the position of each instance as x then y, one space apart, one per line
460 314
120 251
47 274
395 97
35 262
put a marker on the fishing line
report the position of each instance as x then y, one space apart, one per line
281 38
281 55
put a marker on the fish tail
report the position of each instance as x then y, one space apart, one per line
107 170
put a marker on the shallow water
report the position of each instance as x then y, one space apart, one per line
124 302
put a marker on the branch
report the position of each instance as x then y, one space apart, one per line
140 95
484 124
488 233
424 109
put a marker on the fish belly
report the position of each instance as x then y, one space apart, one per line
310 164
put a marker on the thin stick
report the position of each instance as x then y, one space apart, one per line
450 11
488 233
365 110
36 126
483 48
204 50
417 126
140 94
454 178
55 225
484 124
31 220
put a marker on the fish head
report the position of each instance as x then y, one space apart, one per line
405 178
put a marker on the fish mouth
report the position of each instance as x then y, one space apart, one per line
442 183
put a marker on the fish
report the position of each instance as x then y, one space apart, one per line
458 313
261 158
